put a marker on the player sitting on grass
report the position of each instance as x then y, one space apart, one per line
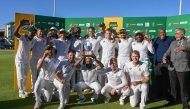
89 73
44 84
116 81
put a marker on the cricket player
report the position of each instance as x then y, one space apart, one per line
116 81
125 48
63 75
89 73
37 52
44 84
26 42
62 45
108 46
138 74
101 34
77 44
143 46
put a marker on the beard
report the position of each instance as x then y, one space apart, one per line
88 66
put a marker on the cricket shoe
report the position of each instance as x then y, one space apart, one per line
22 95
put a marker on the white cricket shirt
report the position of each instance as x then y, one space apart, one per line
24 47
137 73
100 36
38 49
65 70
116 79
125 48
62 48
77 45
108 48
143 48
48 69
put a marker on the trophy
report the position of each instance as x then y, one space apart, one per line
88 49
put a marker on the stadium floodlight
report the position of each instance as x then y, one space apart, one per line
54 9
180 7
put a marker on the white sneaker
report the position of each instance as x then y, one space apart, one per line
27 93
107 99
121 101
37 105
22 95
92 91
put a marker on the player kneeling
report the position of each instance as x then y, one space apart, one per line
44 84
63 75
89 73
116 81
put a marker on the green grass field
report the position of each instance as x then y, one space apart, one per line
9 97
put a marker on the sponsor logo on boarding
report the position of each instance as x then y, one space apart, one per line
183 22
159 24
151 31
50 23
38 22
175 23
44 22
139 24
132 24
127 24
147 24
56 23
81 24
169 24
153 24
82 30
87 24
169 31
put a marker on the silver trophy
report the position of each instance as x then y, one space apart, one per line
88 49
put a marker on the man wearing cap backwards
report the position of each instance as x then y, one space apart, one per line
26 42
116 82
77 43
63 75
62 45
37 52
125 48
142 46
44 84
89 73
108 46
138 74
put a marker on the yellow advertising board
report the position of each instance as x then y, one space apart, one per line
19 16
114 22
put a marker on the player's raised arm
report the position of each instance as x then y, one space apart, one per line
40 63
100 65
77 63
21 23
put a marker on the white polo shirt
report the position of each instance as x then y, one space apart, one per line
125 48
77 45
62 48
48 69
116 79
100 36
24 47
38 49
108 48
95 45
137 73
143 48
89 75
65 70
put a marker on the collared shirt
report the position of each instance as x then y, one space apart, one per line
38 49
62 48
108 48
77 45
125 48
116 79
65 70
143 48
48 69
137 73
24 47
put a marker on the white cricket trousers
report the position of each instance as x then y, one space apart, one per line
33 63
107 89
64 92
103 78
82 85
75 78
122 61
44 87
135 95
22 73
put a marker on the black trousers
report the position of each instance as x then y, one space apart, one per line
182 77
162 81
